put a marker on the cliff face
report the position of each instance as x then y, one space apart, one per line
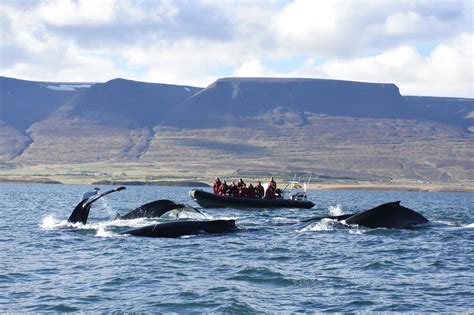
23 103
125 102
250 97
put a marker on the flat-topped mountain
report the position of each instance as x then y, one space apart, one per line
230 98
246 126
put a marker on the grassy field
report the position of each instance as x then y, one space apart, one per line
337 151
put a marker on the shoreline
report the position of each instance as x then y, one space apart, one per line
431 187
393 187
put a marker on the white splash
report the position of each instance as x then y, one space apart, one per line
183 214
51 223
357 231
323 225
470 225
335 210
102 232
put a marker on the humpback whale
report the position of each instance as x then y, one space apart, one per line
389 215
181 228
155 209
81 212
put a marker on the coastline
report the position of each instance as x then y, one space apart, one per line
432 187
420 187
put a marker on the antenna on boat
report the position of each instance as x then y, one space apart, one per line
307 183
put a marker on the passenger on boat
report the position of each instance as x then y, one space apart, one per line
233 190
270 192
241 183
224 188
273 183
217 185
259 191
251 191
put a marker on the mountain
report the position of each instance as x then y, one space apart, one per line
120 101
231 98
339 130
449 110
23 103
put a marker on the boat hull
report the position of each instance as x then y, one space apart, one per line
210 200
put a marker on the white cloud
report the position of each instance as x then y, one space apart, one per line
251 68
447 71
417 45
69 12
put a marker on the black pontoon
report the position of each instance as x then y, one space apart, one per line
210 200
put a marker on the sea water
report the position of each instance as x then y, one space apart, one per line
272 264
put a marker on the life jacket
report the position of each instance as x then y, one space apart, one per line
259 191
243 192
273 184
216 187
223 189
270 193
233 191
251 192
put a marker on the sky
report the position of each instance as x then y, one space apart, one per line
424 47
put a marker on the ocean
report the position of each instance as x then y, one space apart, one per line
273 263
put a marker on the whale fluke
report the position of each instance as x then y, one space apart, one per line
155 209
182 228
388 215
81 212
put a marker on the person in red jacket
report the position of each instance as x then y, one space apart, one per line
259 191
270 193
217 185
273 183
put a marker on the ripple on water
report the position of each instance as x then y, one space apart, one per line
273 264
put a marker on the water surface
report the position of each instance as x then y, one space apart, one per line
272 264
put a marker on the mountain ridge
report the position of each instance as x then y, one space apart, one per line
333 128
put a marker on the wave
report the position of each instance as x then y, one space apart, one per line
285 220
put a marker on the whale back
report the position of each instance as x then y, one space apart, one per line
152 209
388 215
182 228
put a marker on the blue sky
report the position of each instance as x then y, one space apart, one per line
425 47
